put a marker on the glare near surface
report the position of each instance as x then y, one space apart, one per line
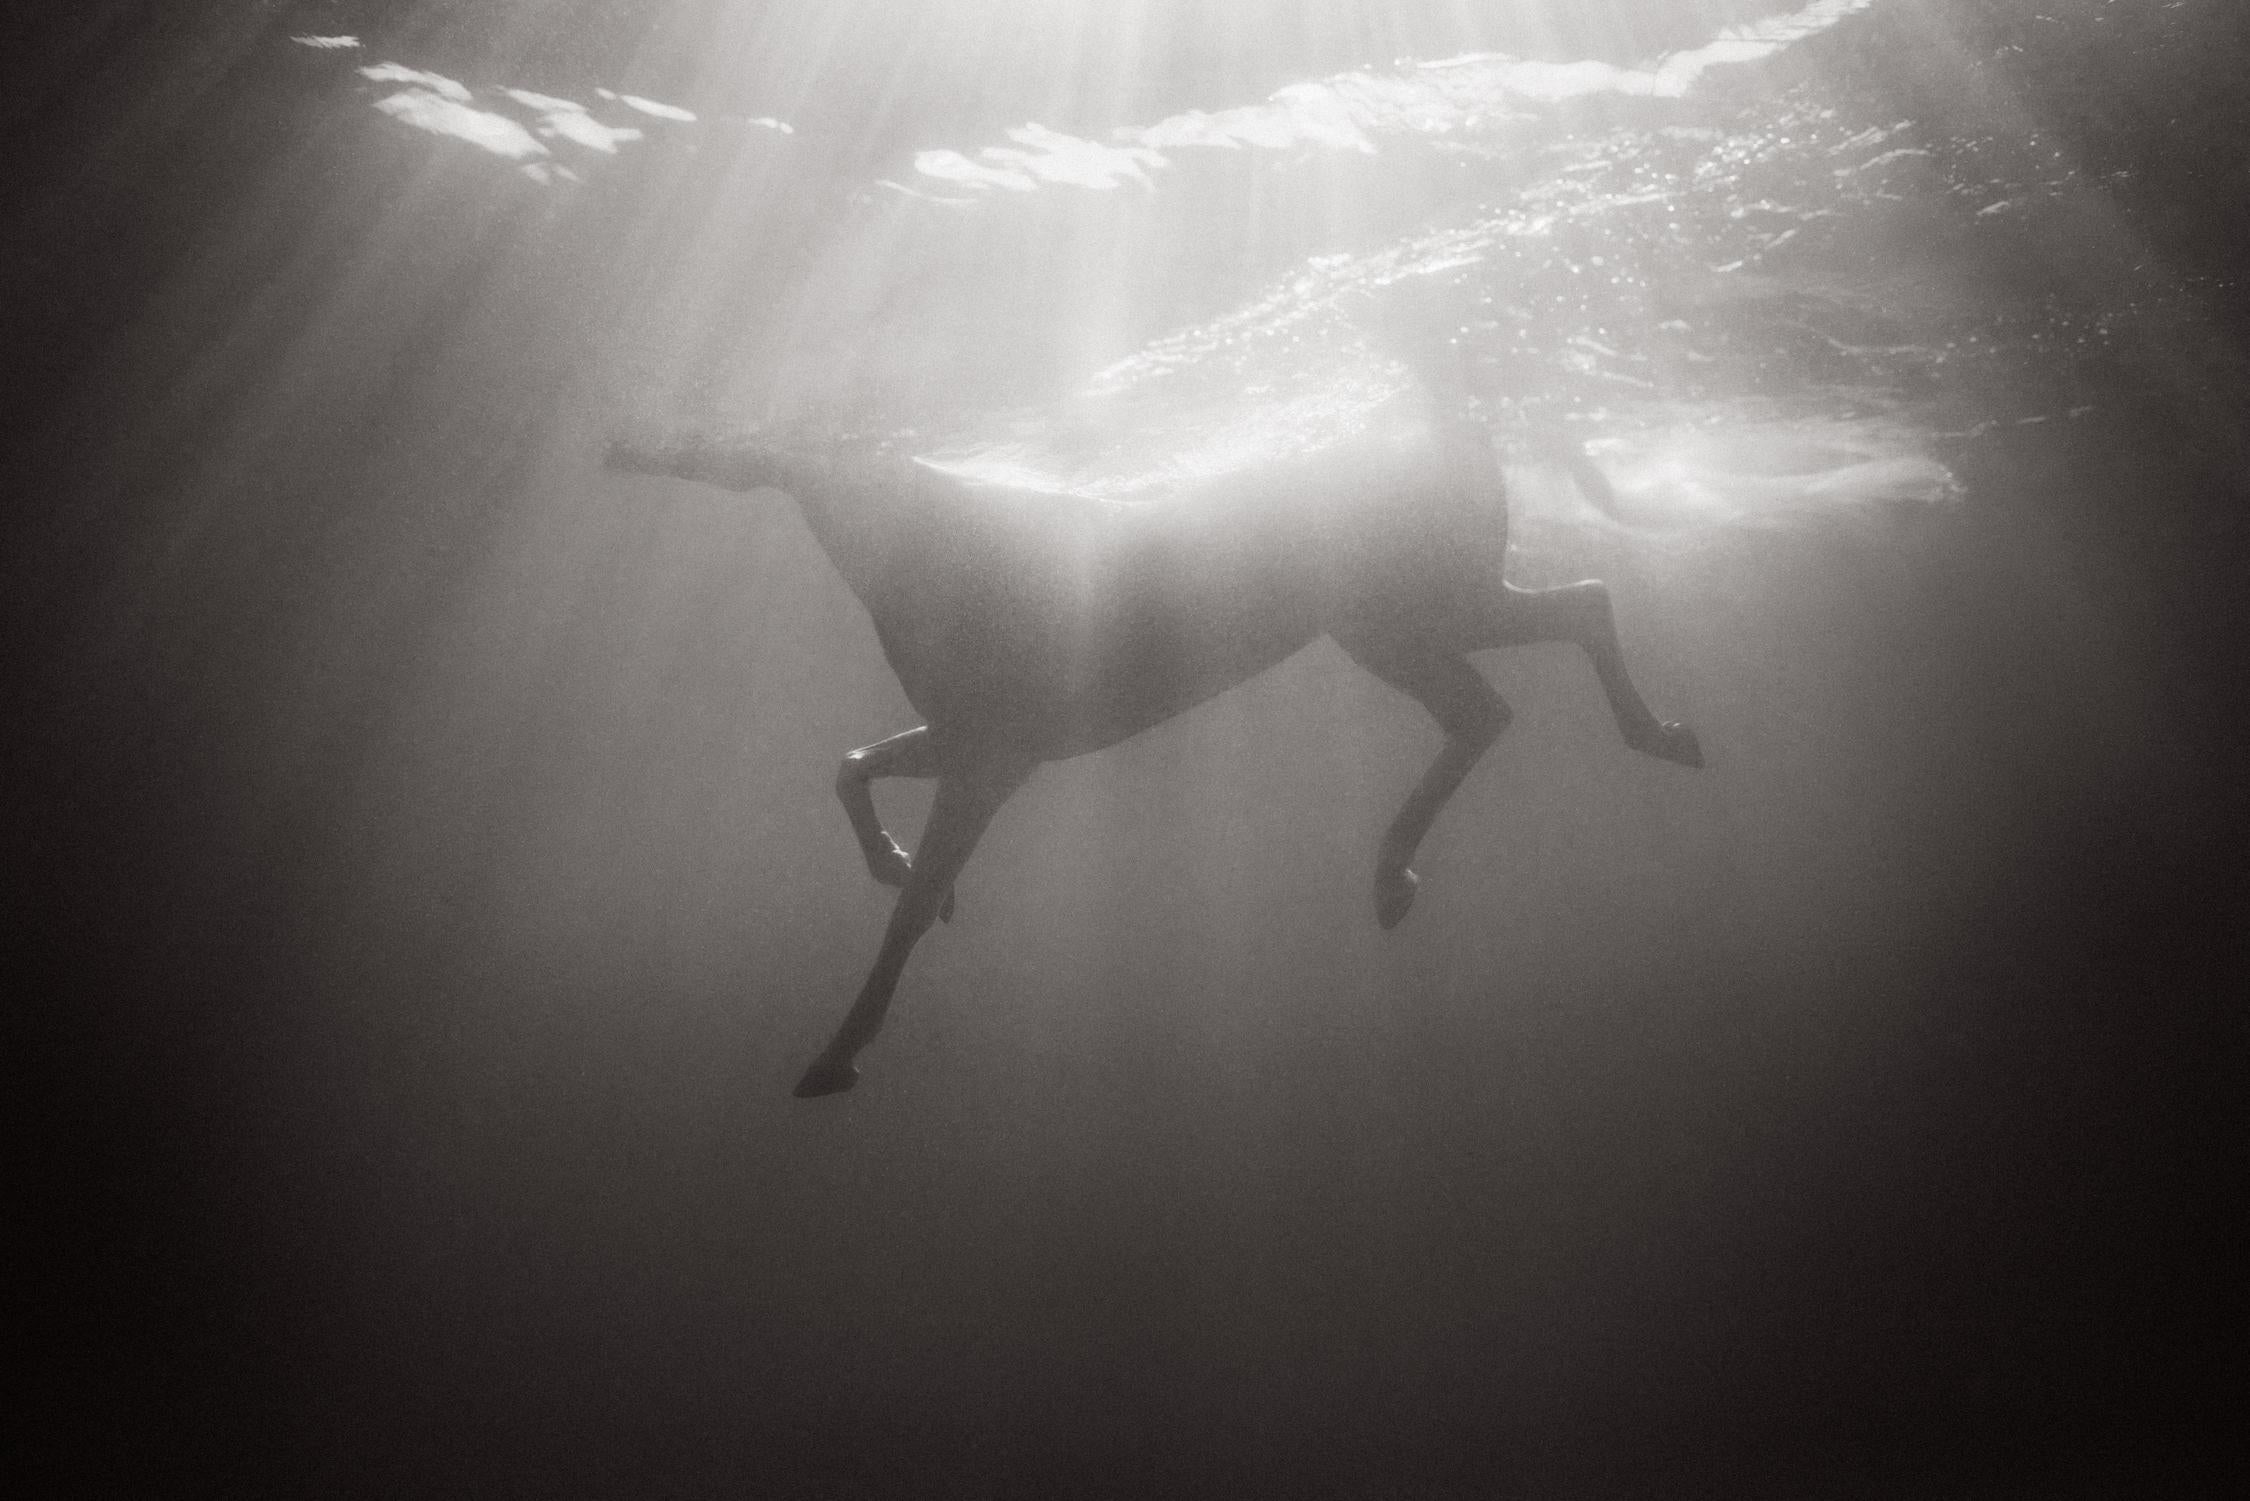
431 859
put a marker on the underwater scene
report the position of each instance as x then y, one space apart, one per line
433 872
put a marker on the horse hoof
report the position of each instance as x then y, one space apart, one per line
1394 896
1674 742
826 1076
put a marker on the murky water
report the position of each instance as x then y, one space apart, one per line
437 838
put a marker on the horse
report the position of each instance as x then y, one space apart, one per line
1028 626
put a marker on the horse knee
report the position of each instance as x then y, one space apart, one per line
1589 602
1494 723
852 774
1478 722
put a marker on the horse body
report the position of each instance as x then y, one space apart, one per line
1064 624
1026 626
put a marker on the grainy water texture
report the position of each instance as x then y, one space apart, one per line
432 880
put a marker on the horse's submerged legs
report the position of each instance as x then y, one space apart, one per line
1431 668
1580 614
969 792
912 754
1472 716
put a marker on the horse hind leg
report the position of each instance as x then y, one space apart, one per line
1581 614
967 797
1472 716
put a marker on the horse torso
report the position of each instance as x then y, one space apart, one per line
1065 623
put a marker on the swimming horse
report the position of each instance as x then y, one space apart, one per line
1028 626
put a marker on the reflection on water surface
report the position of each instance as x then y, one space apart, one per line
1641 258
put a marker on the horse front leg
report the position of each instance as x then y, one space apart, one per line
967 797
1472 716
911 754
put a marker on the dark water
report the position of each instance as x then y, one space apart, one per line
430 882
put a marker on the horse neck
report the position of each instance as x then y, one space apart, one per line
854 511
852 502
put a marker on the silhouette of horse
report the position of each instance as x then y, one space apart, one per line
1028 626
